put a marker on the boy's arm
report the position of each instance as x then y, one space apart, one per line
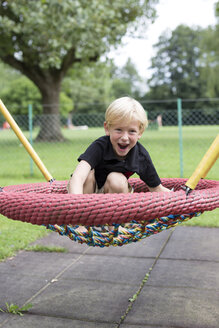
159 188
78 178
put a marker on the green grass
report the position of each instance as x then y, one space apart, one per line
61 159
16 235
207 219
46 249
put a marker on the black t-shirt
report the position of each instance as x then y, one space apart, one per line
102 158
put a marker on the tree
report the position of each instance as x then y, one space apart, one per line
210 57
126 80
176 65
93 87
88 85
43 39
21 92
210 61
217 9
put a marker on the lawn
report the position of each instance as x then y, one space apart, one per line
61 159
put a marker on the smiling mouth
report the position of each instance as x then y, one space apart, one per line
123 147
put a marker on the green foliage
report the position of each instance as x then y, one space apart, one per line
185 65
126 80
98 84
86 28
94 86
176 64
90 84
121 87
210 61
19 94
217 9
15 309
7 75
66 104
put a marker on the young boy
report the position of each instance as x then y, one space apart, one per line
110 160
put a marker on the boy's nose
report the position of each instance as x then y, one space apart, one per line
125 136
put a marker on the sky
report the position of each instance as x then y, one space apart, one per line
171 13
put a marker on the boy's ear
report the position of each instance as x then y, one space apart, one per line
106 128
139 135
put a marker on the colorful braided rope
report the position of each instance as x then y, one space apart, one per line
119 235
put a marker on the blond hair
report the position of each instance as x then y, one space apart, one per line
126 109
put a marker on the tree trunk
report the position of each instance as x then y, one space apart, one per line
50 125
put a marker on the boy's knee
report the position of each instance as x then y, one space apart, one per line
116 183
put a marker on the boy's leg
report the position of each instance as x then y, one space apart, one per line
88 188
116 183
90 184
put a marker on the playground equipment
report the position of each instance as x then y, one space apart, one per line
109 219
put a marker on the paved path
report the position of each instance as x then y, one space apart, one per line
172 279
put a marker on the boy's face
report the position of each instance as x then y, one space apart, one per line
123 137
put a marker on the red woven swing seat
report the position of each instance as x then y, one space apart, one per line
49 204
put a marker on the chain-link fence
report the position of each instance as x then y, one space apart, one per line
176 138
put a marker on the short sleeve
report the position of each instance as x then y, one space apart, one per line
147 171
93 154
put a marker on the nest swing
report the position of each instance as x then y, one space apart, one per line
109 219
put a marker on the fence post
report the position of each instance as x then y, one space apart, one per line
179 112
30 119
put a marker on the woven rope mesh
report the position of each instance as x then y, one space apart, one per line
108 219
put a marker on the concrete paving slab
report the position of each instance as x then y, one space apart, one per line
28 272
148 247
93 285
182 273
34 321
39 264
3 317
124 270
193 243
175 307
17 290
85 300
